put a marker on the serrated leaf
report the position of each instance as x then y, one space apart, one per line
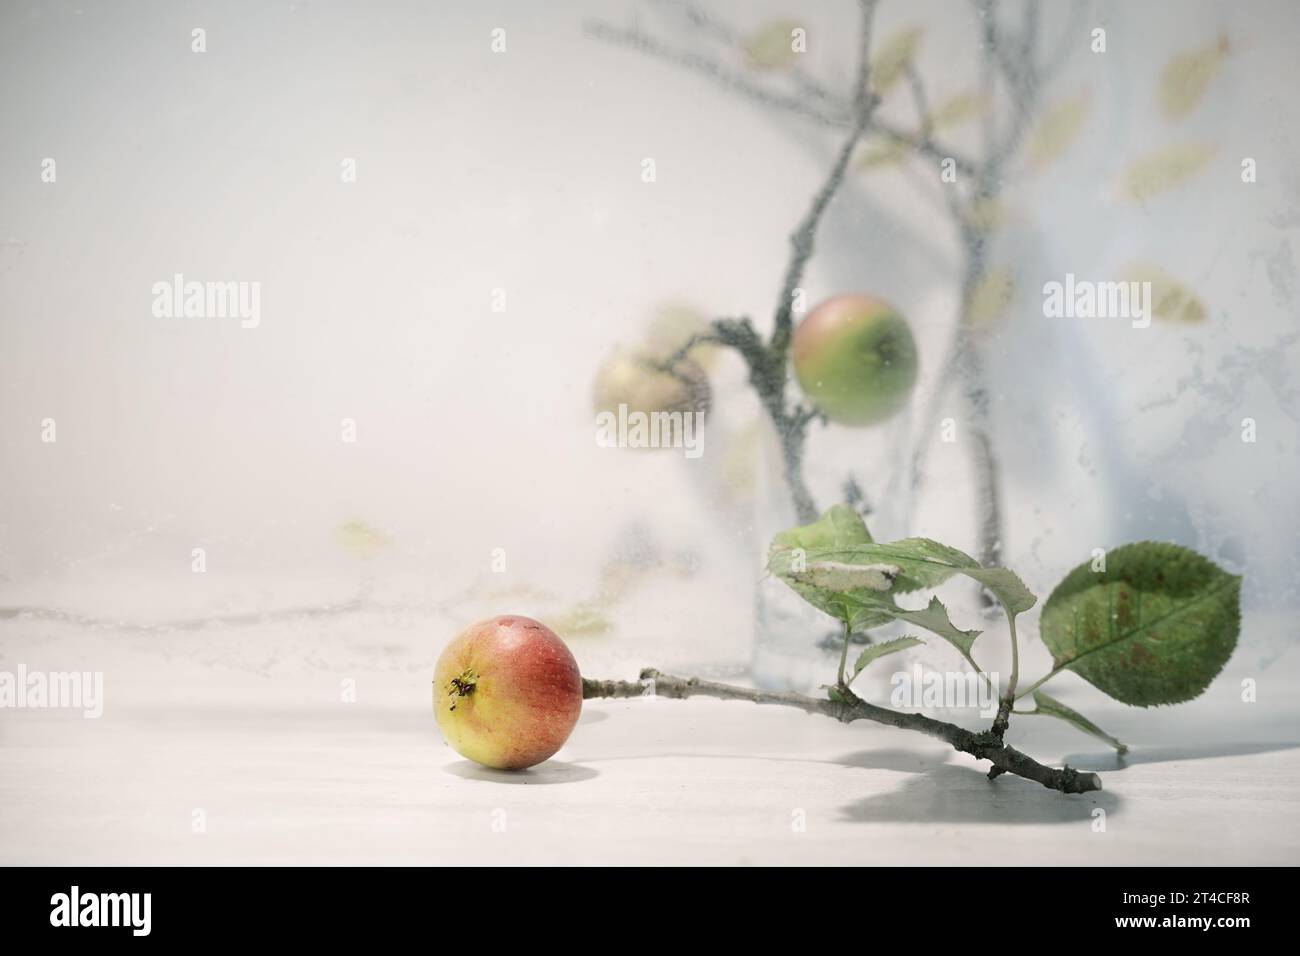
1154 628
837 538
1054 708
920 563
1160 170
771 46
990 297
1170 299
933 617
1186 77
893 56
1058 129
875 651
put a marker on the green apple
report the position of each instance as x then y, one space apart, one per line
855 359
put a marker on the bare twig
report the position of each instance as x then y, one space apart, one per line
636 39
816 102
981 746
802 240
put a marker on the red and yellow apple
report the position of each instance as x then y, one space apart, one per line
855 359
507 692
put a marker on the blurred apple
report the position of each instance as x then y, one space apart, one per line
507 692
855 359
632 378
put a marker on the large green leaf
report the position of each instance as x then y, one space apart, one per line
1052 707
841 526
875 651
921 563
1154 628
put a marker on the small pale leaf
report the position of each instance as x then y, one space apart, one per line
990 298
1170 299
581 620
987 214
361 539
771 46
1058 129
881 153
1186 77
957 109
1162 169
893 56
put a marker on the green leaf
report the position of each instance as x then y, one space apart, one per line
838 576
921 563
1154 628
933 617
874 651
839 527
1054 708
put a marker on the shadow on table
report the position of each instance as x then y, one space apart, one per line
547 772
952 794
899 760
1110 761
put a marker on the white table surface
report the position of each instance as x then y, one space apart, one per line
250 729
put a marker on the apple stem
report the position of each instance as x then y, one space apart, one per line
844 656
981 746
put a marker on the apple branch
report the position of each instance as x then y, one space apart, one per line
767 361
981 746
1011 61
